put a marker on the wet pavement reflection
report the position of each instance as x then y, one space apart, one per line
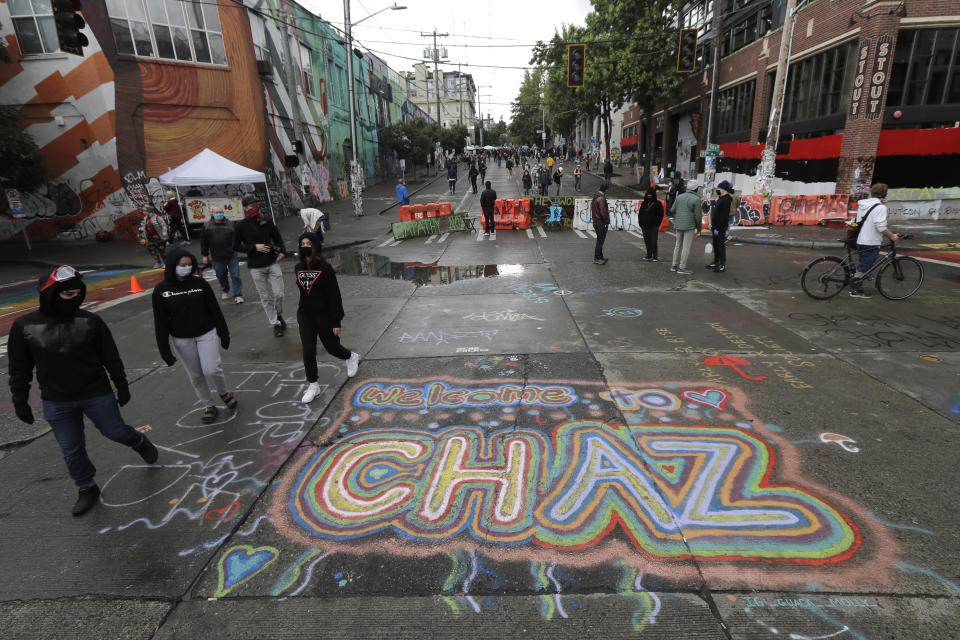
356 262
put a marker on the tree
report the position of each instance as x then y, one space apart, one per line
497 135
412 140
526 109
23 167
454 137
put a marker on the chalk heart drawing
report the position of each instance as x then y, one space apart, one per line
709 397
240 563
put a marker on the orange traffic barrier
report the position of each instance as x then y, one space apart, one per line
135 286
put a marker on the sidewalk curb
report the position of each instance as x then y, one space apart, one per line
787 242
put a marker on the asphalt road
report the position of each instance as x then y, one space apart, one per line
534 446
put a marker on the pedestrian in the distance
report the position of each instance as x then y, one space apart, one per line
544 181
311 201
509 166
452 176
403 197
154 232
649 217
261 241
218 245
527 182
483 170
72 351
319 313
175 218
719 223
600 214
473 173
558 177
577 177
686 221
186 313
488 203
607 171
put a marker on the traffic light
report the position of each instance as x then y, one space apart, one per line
687 51
576 56
69 25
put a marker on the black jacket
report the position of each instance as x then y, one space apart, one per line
720 219
72 354
317 283
527 180
185 308
218 240
250 234
607 168
488 200
650 214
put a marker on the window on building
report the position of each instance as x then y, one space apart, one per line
33 23
306 71
744 30
926 68
187 30
819 86
735 108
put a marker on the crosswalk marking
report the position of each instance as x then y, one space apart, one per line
480 236
530 233
580 233
385 242
443 237
395 243
635 233
430 239
591 233
493 236
543 234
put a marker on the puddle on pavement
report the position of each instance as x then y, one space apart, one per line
353 262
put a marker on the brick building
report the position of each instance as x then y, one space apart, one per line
872 94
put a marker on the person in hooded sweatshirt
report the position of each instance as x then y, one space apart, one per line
719 223
73 352
186 313
650 215
320 313
872 216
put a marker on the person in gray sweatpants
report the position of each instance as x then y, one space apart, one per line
261 240
686 221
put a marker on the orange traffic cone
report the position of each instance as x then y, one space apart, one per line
135 286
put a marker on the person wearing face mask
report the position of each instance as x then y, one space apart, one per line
261 241
186 312
719 222
73 353
650 215
218 243
320 313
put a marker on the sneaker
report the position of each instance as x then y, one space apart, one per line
238 300
712 265
684 272
352 363
283 323
277 330
85 500
859 293
673 267
647 259
313 389
225 295
654 259
604 260
147 451
597 261
721 267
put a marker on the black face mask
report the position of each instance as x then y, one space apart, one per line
306 252
66 308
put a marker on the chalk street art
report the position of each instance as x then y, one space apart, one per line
846 443
623 312
500 315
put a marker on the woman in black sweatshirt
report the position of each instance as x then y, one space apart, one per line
319 313
650 215
186 312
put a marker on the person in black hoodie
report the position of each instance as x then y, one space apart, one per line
73 352
650 215
719 222
320 312
261 240
185 311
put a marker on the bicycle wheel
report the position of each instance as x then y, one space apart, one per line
900 278
824 277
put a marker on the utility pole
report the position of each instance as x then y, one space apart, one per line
710 176
436 68
768 159
460 93
356 180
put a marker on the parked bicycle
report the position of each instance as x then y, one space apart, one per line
897 277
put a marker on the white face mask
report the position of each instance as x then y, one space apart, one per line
183 272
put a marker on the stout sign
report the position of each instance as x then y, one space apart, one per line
878 77
859 80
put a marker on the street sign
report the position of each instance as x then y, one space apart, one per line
713 147
540 131
593 141
709 153
16 204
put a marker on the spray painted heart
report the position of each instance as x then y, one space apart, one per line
240 563
710 397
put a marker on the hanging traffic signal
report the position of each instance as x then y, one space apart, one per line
69 25
576 56
687 51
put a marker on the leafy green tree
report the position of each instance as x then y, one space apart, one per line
23 167
454 137
497 135
412 140
525 111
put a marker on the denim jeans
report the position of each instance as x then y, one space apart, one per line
66 420
868 255
231 266
601 231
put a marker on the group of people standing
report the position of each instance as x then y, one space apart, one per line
73 351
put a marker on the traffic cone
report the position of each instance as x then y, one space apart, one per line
135 286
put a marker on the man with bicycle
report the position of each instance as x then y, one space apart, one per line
872 218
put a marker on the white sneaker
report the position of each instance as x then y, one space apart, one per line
352 363
238 300
224 295
310 393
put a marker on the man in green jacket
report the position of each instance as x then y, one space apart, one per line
686 222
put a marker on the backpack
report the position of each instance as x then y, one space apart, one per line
853 229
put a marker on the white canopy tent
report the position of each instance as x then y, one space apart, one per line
209 167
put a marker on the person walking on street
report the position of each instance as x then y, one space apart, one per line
544 181
261 241
872 216
649 217
186 312
577 177
488 203
402 196
452 176
607 171
509 165
311 201
473 173
601 221
686 222
175 218
527 182
557 177
218 244
483 170
719 223
154 232
73 352
319 313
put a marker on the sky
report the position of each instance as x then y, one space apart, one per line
473 26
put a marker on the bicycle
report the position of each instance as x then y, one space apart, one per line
897 277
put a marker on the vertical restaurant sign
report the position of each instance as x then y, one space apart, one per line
878 77
859 80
